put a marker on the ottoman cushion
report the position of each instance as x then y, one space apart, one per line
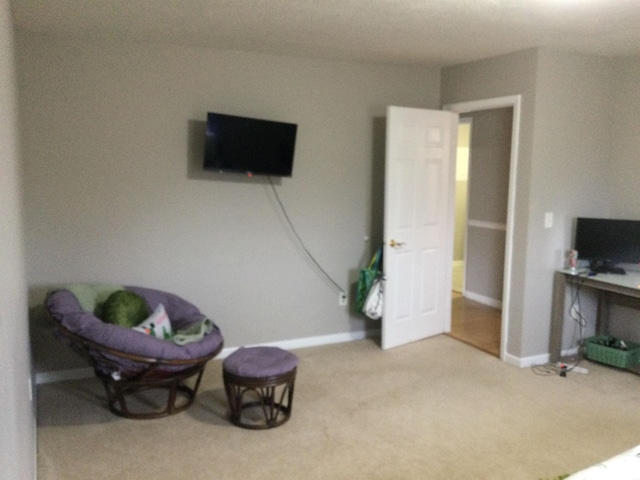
260 362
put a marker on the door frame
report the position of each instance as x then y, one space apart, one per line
513 101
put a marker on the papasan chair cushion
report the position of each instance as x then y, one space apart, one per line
127 360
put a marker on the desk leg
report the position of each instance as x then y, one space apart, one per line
557 317
602 316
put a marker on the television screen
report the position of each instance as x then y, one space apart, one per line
249 145
607 241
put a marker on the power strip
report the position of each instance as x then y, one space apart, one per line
568 368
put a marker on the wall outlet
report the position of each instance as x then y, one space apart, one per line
342 299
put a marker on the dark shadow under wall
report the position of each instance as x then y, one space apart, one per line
48 353
376 215
379 145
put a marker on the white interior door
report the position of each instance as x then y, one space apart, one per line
418 224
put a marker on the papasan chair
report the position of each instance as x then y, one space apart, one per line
141 343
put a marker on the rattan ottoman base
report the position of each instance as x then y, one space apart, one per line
259 399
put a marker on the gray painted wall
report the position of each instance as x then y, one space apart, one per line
488 200
112 138
625 151
511 74
17 415
624 168
108 137
565 164
573 139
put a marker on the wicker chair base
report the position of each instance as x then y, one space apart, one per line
150 375
142 399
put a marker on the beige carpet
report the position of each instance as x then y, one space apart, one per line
435 409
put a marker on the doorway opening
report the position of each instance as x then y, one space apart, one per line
472 322
475 322
481 279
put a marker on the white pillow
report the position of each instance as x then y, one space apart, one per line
157 324
621 467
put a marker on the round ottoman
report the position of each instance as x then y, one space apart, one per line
259 383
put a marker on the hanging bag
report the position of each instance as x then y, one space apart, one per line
366 279
373 303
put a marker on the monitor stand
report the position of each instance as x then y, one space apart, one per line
605 266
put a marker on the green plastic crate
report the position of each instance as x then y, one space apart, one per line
613 356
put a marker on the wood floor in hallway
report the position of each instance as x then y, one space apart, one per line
476 324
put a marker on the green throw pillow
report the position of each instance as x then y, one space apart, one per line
125 308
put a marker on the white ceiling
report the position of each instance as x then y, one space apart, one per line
425 32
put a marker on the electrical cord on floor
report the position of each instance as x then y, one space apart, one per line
547 369
575 313
308 254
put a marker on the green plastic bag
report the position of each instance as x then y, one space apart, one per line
366 278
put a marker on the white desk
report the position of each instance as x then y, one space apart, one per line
625 288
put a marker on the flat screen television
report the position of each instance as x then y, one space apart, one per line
249 145
607 242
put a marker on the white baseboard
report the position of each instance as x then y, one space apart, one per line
534 360
476 297
526 362
310 341
82 373
293 344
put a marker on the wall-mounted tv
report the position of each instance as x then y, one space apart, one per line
249 145
606 242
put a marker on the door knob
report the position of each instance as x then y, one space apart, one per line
394 244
